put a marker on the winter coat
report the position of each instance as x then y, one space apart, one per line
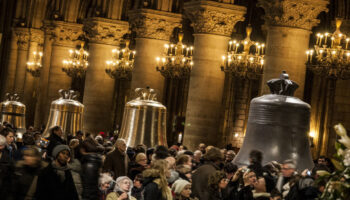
57 183
117 163
135 169
216 195
90 145
115 196
200 180
137 193
24 180
151 185
54 141
6 170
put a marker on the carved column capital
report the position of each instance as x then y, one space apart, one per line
105 31
153 24
293 13
22 36
213 17
63 33
36 35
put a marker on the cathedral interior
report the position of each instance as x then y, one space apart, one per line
206 59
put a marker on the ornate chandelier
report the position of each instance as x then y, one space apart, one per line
34 66
245 62
75 66
330 56
122 63
177 61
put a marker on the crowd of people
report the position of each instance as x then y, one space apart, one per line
103 168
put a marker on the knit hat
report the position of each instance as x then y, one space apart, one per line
58 149
179 185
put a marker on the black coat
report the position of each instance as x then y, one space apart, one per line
50 186
200 180
6 170
151 190
117 163
135 169
54 141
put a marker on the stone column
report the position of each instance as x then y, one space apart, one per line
289 24
65 37
11 67
213 24
42 105
22 53
153 29
104 36
31 83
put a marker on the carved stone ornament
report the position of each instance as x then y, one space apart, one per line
22 36
105 31
213 17
153 24
63 33
36 35
293 13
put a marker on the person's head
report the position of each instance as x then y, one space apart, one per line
322 160
79 135
61 153
105 181
159 169
181 188
37 136
249 178
185 170
138 180
223 151
171 162
141 159
3 142
230 169
9 134
214 155
230 155
140 148
197 155
161 152
120 144
99 139
123 184
28 139
74 143
182 147
288 168
217 181
255 157
202 147
31 156
57 130
150 153
184 160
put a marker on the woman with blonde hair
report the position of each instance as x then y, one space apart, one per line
155 181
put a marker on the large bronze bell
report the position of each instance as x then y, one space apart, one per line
67 113
144 120
278 125
13 112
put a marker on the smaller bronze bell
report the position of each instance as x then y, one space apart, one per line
67 113
144 120
13 112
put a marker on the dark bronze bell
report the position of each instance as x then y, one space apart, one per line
278 125
13 112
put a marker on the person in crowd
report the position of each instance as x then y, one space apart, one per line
25 176
232 186
105 185
149 154
185 172
250 181
201 147
5 166
122 189
140 148
174 175
137 190
255 159
138 166
59 180
74 146
197 159
55 139
10 147
217 183
90 145
230 155
155 181
213 158
181 190
184 160
117 161
161 152
275 195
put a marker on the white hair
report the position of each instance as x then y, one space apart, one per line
105 178
2 140
119 142
197 152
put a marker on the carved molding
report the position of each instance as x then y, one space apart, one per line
63 33
37 36
105 31
22 36
153 24
293 13
213 17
